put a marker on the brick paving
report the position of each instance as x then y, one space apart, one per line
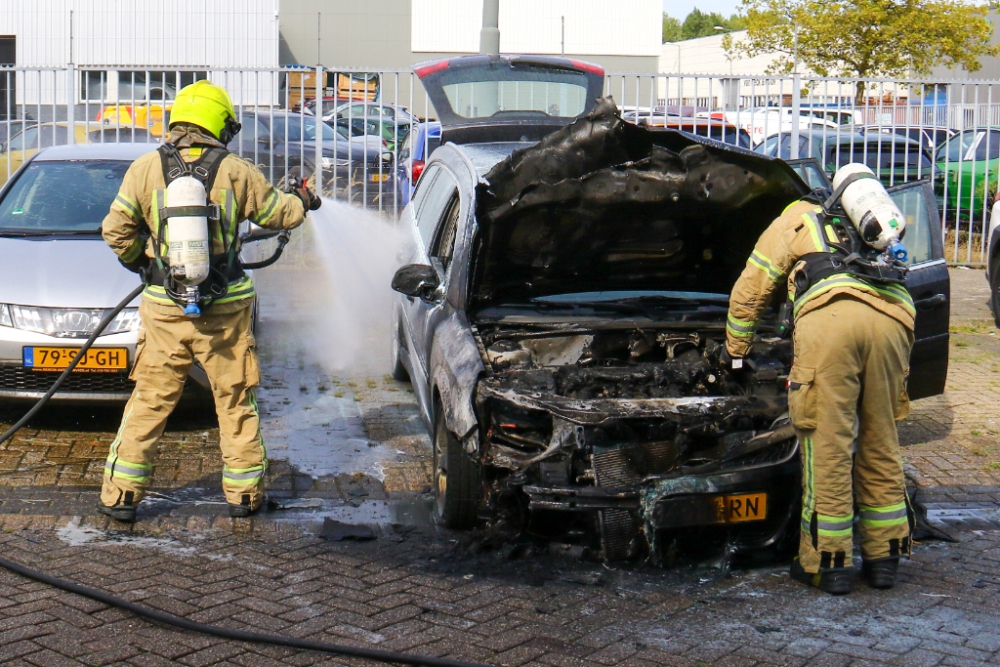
350 446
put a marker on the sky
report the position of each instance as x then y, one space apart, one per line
680 8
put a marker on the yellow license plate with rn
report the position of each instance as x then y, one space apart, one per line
97 359
380 178
742 507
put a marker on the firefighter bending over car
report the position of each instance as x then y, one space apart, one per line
176 222
853 330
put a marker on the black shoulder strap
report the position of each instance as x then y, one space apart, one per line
173 164
205 168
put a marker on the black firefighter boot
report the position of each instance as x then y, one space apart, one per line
880 573
835 581
244 509
123 510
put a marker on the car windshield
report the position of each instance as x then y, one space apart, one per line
483 92
303 129
61 196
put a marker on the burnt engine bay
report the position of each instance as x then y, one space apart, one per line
606 422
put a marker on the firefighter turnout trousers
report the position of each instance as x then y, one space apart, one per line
169 343
851 363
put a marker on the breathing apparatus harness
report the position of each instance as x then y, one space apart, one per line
223 269
852 255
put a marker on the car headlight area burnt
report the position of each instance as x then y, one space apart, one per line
600 275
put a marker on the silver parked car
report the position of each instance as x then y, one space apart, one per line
58 278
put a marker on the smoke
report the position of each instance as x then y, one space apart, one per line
335 288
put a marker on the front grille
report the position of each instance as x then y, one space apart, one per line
630 463
17 378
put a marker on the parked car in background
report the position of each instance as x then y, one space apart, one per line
969 165
29 141
10 127
413 154
717 129
149 116
284 142
355 109
390 131
895 159
762 122
930 137
58 278
993 261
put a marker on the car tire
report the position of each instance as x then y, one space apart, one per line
995 292
457 480
399 372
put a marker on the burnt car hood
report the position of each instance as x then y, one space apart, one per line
605 205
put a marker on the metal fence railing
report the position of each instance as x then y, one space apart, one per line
947 132
363 136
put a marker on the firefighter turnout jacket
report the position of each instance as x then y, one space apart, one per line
802 229
240 190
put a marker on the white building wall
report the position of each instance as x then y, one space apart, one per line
132 34
631 28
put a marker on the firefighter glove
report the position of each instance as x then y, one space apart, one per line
310 200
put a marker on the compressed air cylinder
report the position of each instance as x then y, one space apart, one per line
188 235
871 209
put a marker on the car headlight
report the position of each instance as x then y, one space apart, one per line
127 320
68 322
5 319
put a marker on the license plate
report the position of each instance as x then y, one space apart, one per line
380 178
744 507
97 359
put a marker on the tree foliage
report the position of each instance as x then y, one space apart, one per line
698 24
867 38
671 28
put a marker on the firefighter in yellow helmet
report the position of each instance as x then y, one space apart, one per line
209 322
853 331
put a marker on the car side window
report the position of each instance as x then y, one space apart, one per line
444 239
404 150
429 215
423 186
917 237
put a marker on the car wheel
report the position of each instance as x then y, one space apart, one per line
399 373
457 482
995 292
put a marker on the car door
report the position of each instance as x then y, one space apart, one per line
928 284
429 210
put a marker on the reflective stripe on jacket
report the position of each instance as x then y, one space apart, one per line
240 189
799 231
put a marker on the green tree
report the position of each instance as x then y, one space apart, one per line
867 38
671 28
700 24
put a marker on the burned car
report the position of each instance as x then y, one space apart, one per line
562 317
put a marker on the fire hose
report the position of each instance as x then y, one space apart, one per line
158 616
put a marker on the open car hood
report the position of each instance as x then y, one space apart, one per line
605 205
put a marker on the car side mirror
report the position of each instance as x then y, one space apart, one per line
416 280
